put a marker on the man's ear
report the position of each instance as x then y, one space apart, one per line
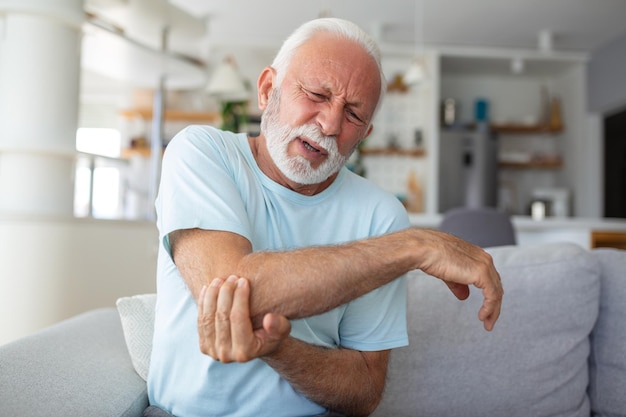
265 84
369 132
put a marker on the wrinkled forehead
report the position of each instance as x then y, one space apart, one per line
340 64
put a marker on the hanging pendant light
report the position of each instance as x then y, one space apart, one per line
226 83
228 86
416 72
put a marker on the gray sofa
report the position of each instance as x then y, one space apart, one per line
559 348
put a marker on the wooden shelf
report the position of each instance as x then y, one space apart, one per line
181 115
143 151
525 129
550 164
608 239
511 128
416 152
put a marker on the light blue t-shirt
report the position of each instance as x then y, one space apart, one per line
210 180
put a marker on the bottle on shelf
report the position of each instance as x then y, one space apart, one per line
556 122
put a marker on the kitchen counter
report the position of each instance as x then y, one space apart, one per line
587 232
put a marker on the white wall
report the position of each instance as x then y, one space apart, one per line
606 77
55 268
581 146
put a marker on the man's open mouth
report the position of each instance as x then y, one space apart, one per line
309 147
313 147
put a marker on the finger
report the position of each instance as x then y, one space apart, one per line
492 304
489 313
201 301
207 302
222 319
202 320
248 343
245 345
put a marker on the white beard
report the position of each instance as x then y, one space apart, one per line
297 168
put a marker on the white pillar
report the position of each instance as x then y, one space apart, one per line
40 43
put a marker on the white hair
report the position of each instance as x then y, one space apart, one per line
339 27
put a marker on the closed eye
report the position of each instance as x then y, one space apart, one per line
353 117
318 97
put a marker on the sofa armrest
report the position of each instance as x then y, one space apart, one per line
79 367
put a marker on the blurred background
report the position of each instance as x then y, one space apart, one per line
511 105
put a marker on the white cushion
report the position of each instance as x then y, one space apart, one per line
137 316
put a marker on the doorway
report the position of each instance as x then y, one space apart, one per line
615 165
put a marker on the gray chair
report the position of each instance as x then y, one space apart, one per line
484 226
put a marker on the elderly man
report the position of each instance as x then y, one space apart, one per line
276 257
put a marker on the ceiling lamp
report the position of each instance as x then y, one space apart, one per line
517 65
416 72
226 84
545 41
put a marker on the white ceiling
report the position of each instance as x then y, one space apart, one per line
577 25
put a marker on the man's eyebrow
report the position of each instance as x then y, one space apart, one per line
326 89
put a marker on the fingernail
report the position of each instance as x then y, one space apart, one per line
216 282
241 282
232 278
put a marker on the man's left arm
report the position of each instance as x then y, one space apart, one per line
347 381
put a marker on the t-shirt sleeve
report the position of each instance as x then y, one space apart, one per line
198 187
377 320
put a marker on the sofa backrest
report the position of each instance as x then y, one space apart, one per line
557 350
607 372
535 361
78 367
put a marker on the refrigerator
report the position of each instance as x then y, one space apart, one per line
468 170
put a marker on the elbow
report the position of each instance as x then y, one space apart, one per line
372 405
368 405
358 406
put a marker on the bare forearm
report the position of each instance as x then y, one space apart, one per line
343 380
313 280
310 281
296 283
338 379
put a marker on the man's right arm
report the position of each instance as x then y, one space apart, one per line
308 281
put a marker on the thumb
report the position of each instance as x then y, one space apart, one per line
276 326
460 291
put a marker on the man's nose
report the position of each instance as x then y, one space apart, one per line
330 120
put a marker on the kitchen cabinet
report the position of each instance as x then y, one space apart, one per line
531 154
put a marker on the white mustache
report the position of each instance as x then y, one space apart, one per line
312 132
